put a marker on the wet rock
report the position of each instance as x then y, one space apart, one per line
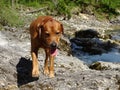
87 34
100 65
91 46
89 41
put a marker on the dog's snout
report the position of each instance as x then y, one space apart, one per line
53 45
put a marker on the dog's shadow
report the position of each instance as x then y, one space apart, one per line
24 69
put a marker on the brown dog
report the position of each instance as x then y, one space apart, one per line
45 33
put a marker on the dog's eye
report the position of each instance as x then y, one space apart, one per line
57 33
47 34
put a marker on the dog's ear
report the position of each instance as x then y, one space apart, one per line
39 28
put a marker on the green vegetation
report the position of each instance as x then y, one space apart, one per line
8 15
99 8
107 8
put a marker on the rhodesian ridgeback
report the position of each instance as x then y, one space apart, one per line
45 33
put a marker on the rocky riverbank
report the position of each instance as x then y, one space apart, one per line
72 73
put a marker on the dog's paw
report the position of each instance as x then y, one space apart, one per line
46 71
35 73
51 75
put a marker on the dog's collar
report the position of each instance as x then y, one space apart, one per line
40 33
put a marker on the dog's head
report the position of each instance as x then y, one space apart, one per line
51 31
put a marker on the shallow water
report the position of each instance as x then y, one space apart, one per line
107 57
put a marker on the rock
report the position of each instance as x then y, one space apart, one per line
91 46
116 21
85 21
100 65
10 87
87 34
89 41
64 45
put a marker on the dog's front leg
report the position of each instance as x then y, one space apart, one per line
51 66
35 66
46 69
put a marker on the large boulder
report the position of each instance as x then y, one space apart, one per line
89 33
